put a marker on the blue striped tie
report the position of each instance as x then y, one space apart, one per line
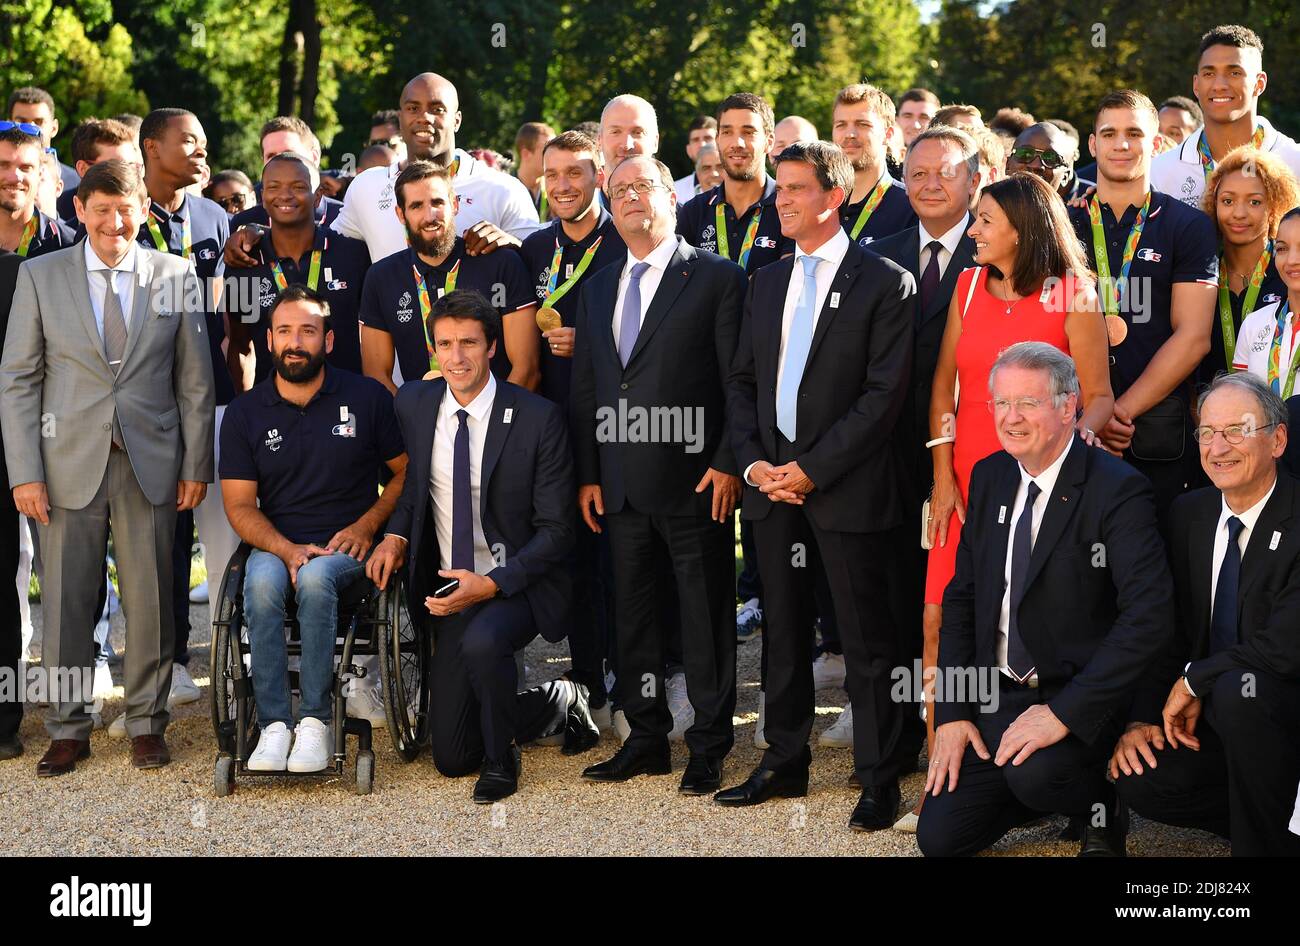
797 346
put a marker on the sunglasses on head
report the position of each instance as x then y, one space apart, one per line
25 127
1049 157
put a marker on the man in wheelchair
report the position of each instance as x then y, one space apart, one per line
300 459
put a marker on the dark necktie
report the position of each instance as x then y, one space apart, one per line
1223 621
629 322
1019 660
114 341
462 506
930 278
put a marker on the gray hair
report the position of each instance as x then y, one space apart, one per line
1273 407
1040 356
704 150
970 151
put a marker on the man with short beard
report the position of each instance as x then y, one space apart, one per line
300 456
738 220
401 289
23 228
863 126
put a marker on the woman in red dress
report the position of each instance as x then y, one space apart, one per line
1032 284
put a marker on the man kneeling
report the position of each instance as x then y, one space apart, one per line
1061 602
299 466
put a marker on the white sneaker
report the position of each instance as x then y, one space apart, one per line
117 728
199 595
759 741
311 746
183 688
680 706
621 728
840 735
366 702
272 750
103 685
828 672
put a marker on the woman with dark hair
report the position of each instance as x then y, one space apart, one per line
1246 196
1032 283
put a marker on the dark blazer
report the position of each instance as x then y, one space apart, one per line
1097 609
680 361
850 398
526 500
1268 596
904 248
9 263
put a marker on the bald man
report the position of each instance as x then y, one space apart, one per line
790 129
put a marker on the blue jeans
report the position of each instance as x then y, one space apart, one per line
266 593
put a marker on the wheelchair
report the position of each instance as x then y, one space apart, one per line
371 623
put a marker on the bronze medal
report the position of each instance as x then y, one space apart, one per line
1116 330
549 319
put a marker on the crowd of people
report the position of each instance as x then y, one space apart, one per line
541 391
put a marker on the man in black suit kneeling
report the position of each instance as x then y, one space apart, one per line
1061 602
488 508
1214 737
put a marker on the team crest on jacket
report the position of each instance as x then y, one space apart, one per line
1148 254
265 293
273 439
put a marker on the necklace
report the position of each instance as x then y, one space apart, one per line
1011 303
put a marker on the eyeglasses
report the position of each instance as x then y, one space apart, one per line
234 203
392 142
1024 405
1049 157
25 127
641 188
1233 433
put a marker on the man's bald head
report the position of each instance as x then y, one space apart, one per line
628 125
790 129
429 117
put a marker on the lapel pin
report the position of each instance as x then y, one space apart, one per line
1277 537
343 413
1002 515
510 412
835 300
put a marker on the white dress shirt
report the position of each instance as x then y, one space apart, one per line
658 258
1046 483
831 253
1248 520
124 279
440 471
948 243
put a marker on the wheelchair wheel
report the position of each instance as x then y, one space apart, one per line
229 671
223 776
403 672
365 772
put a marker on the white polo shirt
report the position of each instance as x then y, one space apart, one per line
1255 338
1178 172
485 193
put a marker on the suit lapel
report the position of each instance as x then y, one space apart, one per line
962 258
999 513
841 285
674 280
604 310
767 332
79 285
139 304
1200 564
1060 507
1274 517
497 432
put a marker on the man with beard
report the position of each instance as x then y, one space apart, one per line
863 125
739 220
401 289
300 457
23 228
498 208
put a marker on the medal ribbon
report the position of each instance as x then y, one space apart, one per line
1247 303
1112 290
869 205
313 271
156 232
1207 160
426 306
554 295
1275 353
29 232
720 220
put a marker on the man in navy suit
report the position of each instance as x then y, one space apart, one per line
817 385
487 504
1061 603
655 336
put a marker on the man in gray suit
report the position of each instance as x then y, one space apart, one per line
106 403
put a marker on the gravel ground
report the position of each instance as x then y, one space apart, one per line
108 808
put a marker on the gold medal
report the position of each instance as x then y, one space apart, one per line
1116 330
549 319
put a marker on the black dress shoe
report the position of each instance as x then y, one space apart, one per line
11 747
877 809
497 780
1110 839
62 757
763 784
629 762
702 776
580 730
